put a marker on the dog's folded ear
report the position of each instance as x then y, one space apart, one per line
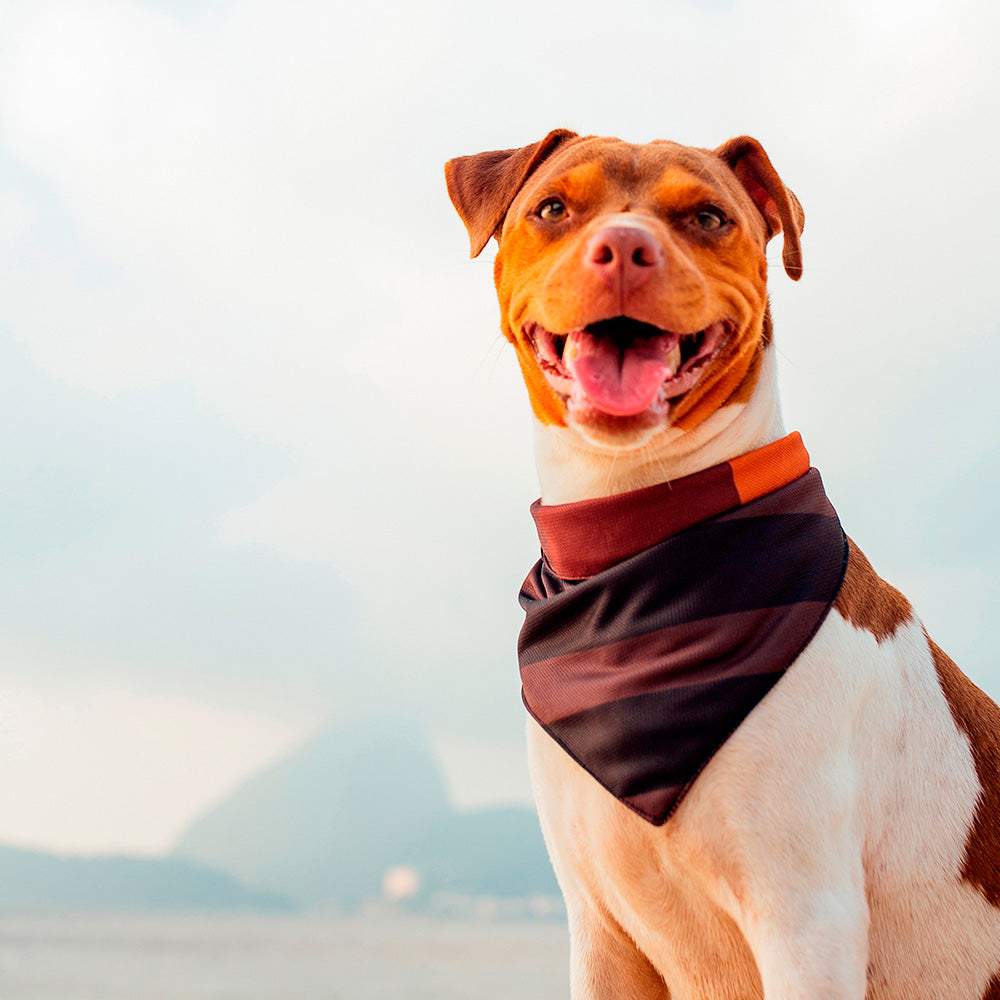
483 186
780 208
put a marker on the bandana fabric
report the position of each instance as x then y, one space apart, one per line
657 620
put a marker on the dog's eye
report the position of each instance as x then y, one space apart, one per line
710 218
552 210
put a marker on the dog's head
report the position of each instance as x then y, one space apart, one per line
632 279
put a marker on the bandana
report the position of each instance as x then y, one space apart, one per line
657 620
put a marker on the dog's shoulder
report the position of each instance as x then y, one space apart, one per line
867 601
871 605
965 745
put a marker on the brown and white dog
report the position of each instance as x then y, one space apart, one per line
844 842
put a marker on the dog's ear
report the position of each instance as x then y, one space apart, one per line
780 208
483 186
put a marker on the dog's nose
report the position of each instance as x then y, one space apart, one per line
624 256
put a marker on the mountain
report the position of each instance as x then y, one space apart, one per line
323 825
33 880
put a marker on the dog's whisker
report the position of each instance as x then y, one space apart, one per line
491 356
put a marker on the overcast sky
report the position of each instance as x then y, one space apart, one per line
264 457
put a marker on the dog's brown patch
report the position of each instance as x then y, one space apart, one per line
866 601
993 990
978 716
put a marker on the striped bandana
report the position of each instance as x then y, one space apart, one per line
656 620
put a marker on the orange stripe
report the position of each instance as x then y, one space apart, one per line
769 468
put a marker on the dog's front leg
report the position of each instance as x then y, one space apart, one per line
820 952
605 963
805 912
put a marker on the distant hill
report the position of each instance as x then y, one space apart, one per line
323 825
33 880
489 852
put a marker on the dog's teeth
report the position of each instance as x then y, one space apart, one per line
674 358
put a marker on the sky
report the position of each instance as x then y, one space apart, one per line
265 459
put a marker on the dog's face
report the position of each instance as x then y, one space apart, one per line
631 279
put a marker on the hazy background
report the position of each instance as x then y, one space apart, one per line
264 458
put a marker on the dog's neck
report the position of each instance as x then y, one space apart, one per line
571 469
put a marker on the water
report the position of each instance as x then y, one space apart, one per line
195 957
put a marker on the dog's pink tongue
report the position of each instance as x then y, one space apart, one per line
621 385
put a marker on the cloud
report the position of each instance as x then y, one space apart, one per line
131 771
107 520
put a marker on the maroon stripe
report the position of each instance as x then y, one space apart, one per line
698 652
581 539
654 805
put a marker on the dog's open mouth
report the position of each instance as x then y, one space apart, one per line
622 367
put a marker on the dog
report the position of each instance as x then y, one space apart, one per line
840 838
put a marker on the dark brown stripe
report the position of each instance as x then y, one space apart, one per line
978 717
531 588
717 568
707 650
623 744
803 496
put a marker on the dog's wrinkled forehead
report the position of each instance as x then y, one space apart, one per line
612 175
